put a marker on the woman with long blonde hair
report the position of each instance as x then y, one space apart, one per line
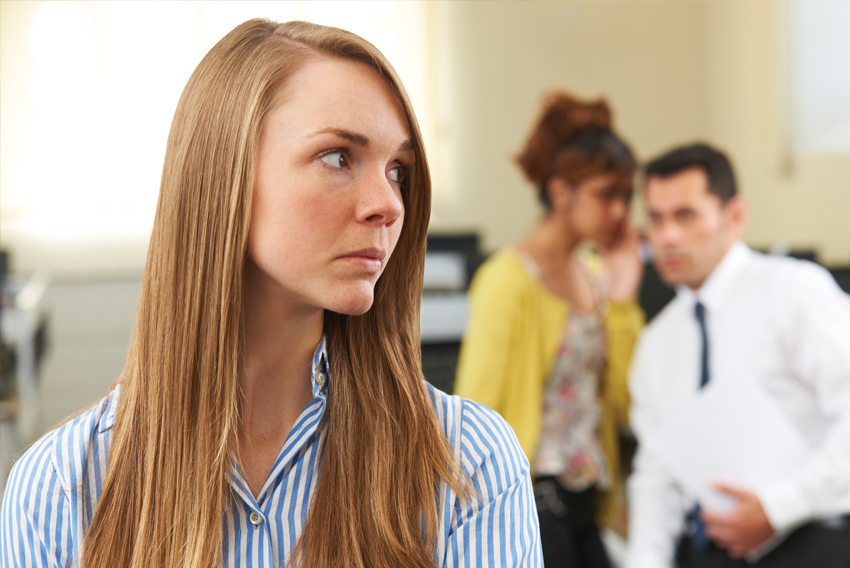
272 411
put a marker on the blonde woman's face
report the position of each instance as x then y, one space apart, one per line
327 209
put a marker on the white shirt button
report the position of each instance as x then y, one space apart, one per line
320 379
256 519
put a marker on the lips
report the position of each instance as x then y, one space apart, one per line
369 259
671 261
374 253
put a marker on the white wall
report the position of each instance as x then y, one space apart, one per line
674 72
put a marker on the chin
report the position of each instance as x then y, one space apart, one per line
355 310
671 278
354 302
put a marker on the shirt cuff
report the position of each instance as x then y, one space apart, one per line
785 506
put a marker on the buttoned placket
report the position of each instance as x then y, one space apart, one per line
256 518
259 515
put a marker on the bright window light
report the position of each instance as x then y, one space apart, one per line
84 146
821 70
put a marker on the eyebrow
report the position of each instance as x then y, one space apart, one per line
358 139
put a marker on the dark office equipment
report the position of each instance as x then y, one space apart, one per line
7 351
654 293
4 268
464 243
439 364
443 321
842 276
444 304
809 255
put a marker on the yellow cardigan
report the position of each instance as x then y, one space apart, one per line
510 347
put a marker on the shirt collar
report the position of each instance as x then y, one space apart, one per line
319 375
107 420
719 285
307 423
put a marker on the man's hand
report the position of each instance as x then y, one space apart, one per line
742 530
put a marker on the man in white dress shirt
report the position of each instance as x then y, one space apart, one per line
780 322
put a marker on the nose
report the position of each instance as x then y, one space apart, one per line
619 208
666 233
379 201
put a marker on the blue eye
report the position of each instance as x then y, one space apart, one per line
335 159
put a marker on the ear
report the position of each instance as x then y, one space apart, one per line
559 192
738 215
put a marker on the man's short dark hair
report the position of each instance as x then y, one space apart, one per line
715 164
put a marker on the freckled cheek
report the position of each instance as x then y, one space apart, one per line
280 227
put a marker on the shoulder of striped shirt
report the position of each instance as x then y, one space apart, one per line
478 434
65 449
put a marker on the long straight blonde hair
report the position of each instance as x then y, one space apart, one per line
383 455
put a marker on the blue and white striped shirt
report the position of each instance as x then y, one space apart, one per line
53 490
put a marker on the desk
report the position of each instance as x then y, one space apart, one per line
22 323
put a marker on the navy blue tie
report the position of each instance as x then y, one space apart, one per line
699 311
695 524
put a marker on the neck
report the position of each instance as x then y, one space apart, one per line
280 339
697 284
551 242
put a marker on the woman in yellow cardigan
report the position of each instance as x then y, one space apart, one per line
553 324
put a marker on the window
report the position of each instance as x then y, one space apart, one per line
821 76
89 96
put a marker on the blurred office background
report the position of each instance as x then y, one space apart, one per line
87 90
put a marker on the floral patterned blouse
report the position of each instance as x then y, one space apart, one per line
569 446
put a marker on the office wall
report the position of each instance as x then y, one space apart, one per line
802 201
673 71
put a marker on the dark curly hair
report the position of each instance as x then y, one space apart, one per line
574 140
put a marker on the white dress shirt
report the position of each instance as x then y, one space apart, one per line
781 321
